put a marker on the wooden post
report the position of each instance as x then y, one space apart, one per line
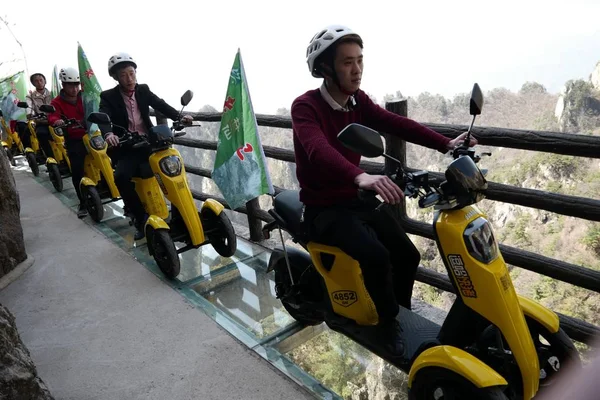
254 223
396 148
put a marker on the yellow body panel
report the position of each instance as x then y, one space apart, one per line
546 317
157 222
214 205
58 147
488 290
459 361
348 294
178 192
100 165
151 197
35 145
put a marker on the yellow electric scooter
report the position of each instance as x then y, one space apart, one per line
183 223
98 182
12 145
494 344
34 155
58 165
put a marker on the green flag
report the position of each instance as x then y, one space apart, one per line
13 90
90 87
56 86
240 170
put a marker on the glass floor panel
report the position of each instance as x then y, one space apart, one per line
247 294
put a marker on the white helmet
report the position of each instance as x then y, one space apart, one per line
321 41
69 75
118 59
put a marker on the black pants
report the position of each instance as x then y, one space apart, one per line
128 166
43 135
24 134
76 152
387 257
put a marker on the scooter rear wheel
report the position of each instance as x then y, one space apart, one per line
164 251
55 177
433 383
302 313
35 169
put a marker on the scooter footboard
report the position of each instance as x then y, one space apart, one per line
458 361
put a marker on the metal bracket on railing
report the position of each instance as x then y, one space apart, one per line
287 260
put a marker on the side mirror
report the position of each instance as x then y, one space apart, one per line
179 134
99 118
1 115
362 140
476 103
47 108
187 97
22 104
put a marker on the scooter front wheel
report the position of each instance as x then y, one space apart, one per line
55 177
35 169
163 250
93 202
433 383
220 232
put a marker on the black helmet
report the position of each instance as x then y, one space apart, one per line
36 74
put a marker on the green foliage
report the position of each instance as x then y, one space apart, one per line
592 239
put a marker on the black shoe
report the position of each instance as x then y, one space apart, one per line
139 228
390 334
82 212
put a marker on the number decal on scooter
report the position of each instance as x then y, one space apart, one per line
344 298
462 277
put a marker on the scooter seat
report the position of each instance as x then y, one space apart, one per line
288 206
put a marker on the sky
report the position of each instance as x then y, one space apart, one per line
437 46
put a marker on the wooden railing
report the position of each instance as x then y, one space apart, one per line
540 141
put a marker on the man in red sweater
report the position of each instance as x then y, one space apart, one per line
68 105
329 173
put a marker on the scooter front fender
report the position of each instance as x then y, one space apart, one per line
547 318
85 181
29 150
459 361
157 222
213 205
50 160
4 144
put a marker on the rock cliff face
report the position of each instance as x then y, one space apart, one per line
12 246
18 375
578 107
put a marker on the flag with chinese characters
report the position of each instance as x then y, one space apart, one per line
240 170
56 86
90 88
13 89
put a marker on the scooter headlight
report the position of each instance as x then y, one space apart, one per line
97 143
480 240
58 131
170 166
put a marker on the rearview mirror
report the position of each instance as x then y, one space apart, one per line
1 115
99 118
22 104
476 103
179 134
187 97
47 108
362 140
